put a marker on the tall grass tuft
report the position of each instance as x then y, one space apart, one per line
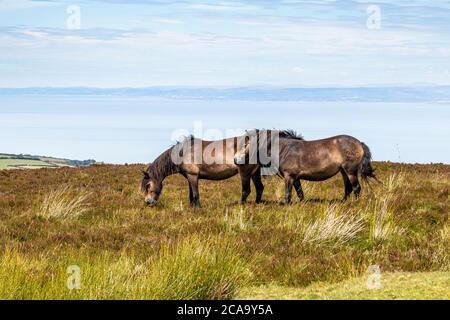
193 268
237 219
441 257
383 226
63 204
395 181
197 269
19 276
335 226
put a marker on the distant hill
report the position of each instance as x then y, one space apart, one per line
26 161
416 93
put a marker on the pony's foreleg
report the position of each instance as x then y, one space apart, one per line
289 181
191 196
298 189
258 185
194 195
246 188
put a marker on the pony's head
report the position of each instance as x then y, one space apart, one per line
246 144
262 146
257 147
151 188
242 154
157 171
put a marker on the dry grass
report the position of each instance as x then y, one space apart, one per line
383 226
336 226
441 256
63 203
395 181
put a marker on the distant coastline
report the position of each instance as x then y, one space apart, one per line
424 93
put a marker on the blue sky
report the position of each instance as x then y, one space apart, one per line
223 43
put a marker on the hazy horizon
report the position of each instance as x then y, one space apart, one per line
136 129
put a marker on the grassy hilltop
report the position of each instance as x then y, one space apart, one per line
26 161
94 218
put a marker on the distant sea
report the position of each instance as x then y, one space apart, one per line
121 128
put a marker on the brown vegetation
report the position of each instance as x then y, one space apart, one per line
78 214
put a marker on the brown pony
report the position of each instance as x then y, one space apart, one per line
319 160
197 159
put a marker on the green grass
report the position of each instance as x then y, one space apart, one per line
95 217
397 285
21 161
17 163
190 269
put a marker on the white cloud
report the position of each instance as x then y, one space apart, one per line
280 48
168 21
279 41
35 34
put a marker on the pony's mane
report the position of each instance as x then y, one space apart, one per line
287 134
290 134
162 166
188 138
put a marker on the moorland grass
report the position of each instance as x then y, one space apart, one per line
401 226
63 203
190 269
393 286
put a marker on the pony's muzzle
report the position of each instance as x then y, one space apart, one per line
150 202
239 160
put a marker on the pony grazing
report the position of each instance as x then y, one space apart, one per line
197 159
317 160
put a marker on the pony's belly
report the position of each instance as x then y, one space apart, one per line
318 175
217 172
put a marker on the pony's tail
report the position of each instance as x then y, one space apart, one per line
366 169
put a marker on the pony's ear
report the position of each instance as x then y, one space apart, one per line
146 175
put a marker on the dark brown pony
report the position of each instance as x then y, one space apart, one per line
197 159
319 160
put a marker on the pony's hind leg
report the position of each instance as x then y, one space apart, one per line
348 188
356 187
258 185
298 189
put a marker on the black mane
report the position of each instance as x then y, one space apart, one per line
287 134
162 167
290 134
